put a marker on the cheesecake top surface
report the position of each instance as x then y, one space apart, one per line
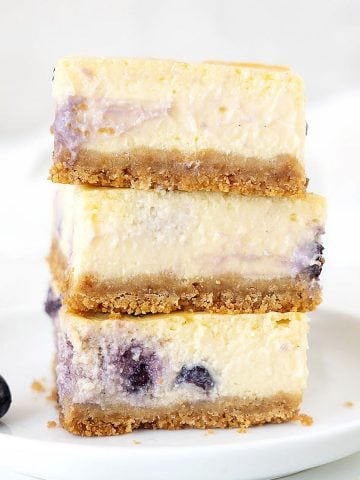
115 104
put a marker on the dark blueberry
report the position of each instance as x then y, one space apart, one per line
5 397
138 368
319 248
306 128
52 303
197 375
313 270
139 379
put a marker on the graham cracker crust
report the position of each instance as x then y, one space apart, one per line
206 170
165 293
90 420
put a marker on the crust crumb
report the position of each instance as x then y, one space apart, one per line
51 424
209 431
304 419
136 442
348 404
242 430
52 395
38 386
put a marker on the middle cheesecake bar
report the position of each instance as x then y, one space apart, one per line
130 251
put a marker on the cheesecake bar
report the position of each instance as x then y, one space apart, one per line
180 126
179 370
136 251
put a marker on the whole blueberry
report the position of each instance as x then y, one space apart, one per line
319 248
197 375
5 397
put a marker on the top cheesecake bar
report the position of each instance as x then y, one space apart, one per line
211 126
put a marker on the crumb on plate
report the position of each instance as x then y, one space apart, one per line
51 424
304 419
242 430
38 386
52 395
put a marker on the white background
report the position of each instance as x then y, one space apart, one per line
318 39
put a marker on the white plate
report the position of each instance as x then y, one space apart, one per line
28 446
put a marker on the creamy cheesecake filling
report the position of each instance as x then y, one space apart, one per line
163 360
123 234
112 106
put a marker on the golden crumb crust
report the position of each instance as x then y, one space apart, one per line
165 294
206 170
90 420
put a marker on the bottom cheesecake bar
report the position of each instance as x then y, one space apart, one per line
175 371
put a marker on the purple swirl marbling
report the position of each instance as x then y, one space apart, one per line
81 120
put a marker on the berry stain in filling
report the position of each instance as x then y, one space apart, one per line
82 119
137 367
65 371
52 303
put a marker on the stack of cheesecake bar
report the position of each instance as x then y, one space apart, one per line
185 248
